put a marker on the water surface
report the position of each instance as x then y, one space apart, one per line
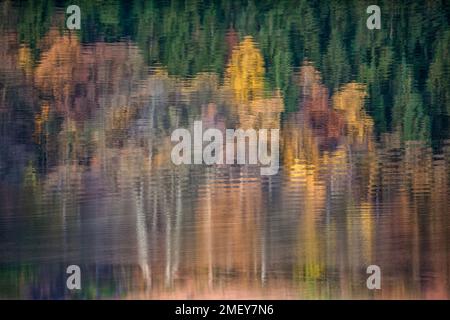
86 176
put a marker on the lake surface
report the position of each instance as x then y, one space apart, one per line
86 176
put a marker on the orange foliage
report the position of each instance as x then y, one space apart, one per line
324 121
349 100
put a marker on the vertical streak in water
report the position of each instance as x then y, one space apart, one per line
168 277
151 124
209 228
350 168
263 253
178 224
141 231
155 214
154 190
64 220
264 236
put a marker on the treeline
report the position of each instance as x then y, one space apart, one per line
405 65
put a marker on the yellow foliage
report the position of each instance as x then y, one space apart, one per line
25 61
260 113
367 227
39 121
245 71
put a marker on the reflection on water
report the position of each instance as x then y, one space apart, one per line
86 176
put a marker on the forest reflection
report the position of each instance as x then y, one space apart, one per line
86 175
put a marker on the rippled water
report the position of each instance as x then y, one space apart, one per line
86 176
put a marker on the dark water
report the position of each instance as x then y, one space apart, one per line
86 176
